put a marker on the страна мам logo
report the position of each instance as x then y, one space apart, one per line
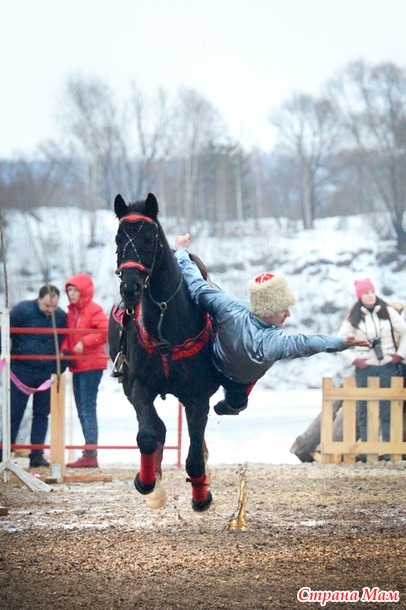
368 594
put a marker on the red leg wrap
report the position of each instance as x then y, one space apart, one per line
147 469
199 488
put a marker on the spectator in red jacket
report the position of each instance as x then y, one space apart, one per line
89 358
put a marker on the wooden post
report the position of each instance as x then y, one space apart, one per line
396 418
373 418
58 427
349 422
326 432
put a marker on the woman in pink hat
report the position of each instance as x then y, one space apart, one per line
373 319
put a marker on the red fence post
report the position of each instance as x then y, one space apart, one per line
180 421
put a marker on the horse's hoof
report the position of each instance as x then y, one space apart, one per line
158 497
204 505
143 488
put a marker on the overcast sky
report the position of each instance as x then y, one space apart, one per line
246 57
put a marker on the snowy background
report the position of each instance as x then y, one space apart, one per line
320 265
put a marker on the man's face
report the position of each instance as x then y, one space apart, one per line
48 304
279 318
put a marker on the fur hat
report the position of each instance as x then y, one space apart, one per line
269 294
363 286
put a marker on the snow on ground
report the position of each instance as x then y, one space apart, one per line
264 433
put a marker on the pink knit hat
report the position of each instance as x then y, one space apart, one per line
270 294
363 286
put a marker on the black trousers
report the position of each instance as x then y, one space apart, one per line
236 394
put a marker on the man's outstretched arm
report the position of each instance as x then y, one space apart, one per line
201 292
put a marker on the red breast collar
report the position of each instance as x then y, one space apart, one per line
187 349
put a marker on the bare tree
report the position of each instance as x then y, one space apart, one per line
307 131
94 137
151 119
196 125
93 127
372 106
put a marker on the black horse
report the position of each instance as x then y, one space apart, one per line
160 346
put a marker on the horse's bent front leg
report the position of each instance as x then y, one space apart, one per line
195 461
150 470
158 497
150 439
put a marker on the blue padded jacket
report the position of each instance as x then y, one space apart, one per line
244 347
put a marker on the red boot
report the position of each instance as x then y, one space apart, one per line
86 461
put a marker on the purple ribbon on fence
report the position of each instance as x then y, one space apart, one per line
26 389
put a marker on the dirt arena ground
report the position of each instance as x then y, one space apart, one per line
97 546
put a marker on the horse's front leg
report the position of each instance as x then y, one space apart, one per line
196 415
150 438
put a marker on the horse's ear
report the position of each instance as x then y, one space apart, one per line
120 206
151 206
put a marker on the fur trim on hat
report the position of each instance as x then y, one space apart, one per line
270 294
363 286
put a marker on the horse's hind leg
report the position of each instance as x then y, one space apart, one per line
196 459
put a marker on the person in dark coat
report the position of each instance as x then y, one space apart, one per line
29 375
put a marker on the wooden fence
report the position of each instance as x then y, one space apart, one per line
347 449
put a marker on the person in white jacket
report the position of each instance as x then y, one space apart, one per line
373 319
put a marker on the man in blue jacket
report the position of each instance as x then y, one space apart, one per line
248 338
31 374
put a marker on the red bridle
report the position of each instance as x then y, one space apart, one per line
135 217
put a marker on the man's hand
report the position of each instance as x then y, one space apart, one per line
395 358
182 241
353 341
360 363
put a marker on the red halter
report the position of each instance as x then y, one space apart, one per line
135 217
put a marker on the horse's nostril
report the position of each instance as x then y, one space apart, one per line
131 293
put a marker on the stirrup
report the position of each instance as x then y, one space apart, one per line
118 366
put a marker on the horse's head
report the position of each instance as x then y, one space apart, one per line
138 245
